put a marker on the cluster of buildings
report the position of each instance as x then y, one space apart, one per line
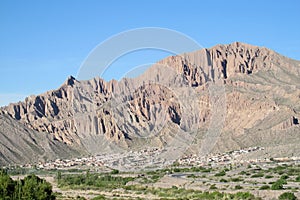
132 160
147 158
126 160
71 163
224 158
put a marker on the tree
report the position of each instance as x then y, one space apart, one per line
31 187
7 186
34 187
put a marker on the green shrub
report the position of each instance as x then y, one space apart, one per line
244 196
207 170
114 171
174 187
236 179
213 187
277 185
269 176
287 196
223 180
257 175
100 197
264 187
176 170
80 198
221 173
284 177
181 193
280 172
283 181
242 173
298 179
85 181
238 187
192 176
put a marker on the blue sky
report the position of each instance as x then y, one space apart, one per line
43 42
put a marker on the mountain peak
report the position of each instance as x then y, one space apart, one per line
70 81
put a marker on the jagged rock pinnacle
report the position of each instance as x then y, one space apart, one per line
70 81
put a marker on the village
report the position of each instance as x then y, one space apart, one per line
149 159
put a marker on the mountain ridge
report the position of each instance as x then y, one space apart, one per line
95 116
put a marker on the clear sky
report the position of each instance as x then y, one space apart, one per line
43 42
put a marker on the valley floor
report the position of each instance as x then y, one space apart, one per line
265 180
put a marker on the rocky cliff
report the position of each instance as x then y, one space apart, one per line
261 97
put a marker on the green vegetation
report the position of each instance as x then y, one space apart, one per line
287 196
192 176
222 180
7 186
100 197
236 179
278 185
154 176
243 173
258 175
80 198
181 193
284 177
288 170
269 176
31 187
176 170
114 171
88 181
213 187
111 181
221 173
265 187
192 169
238 187
117 183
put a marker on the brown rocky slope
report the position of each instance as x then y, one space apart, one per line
259 105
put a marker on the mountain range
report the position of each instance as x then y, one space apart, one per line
212 100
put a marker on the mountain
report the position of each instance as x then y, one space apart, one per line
212 100
20 145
